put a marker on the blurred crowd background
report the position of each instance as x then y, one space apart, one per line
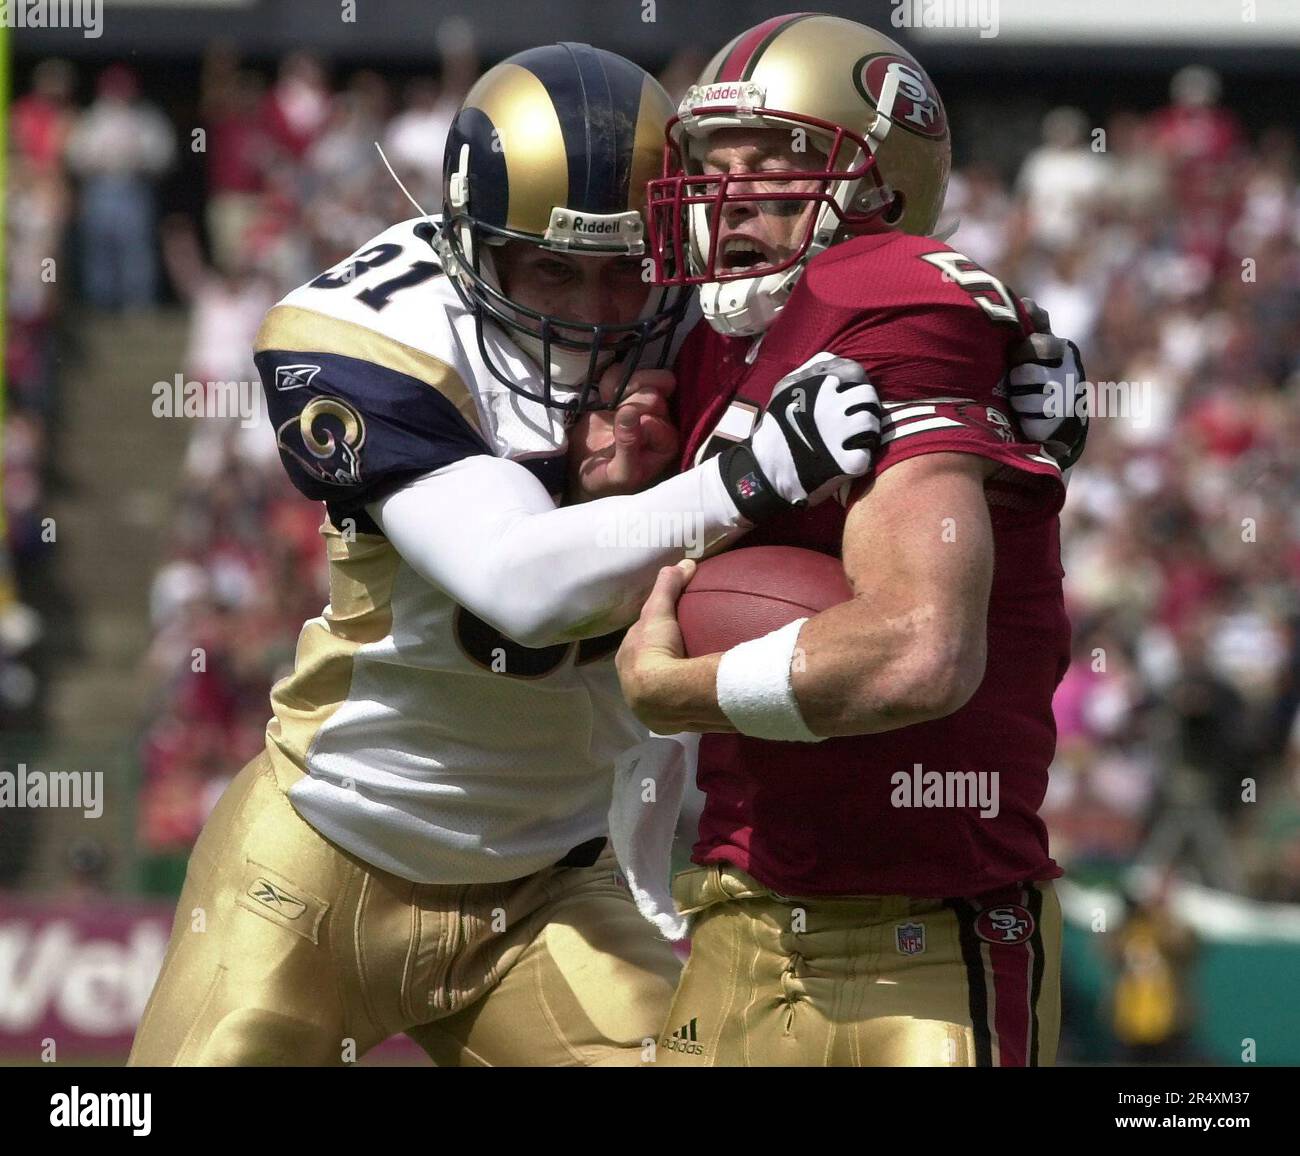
1163 237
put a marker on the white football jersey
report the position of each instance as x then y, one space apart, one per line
410 732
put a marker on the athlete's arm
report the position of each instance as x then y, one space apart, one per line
484 529
909 647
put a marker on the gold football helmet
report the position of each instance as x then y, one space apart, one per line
856 97
555 146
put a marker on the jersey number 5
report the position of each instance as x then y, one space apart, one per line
986 290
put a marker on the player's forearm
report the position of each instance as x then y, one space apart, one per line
543 575
851 675
683 694
860 673
598 560
910 646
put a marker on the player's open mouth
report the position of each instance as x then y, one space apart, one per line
740 253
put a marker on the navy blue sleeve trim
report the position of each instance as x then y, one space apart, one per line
351 432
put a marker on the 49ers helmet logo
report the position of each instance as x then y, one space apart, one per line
1008 923
916 107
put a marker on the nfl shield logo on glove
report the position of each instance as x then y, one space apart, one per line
910 938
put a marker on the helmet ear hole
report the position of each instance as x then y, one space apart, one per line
894 213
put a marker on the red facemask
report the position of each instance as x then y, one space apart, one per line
675 197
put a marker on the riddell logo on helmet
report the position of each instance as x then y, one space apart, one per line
584 225
726 92
915 106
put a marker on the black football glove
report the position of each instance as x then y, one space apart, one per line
1045 388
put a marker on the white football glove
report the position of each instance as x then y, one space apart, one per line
1045 388
820 429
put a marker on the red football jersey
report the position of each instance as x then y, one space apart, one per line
932 330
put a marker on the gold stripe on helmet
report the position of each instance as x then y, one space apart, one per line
648 145
532 143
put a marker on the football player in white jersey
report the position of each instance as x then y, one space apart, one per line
421 847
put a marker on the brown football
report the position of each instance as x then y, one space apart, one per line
751 591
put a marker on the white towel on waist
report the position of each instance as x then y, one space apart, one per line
649 780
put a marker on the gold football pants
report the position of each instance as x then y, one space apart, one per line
288 950
874 981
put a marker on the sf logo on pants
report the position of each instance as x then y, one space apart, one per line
1008 923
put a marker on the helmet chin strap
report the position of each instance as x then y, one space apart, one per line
746 306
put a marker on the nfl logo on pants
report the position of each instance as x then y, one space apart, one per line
910 938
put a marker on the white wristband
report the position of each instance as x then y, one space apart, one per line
754 688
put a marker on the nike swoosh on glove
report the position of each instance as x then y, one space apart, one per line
820 429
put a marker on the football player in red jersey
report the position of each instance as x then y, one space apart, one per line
872 883
421 846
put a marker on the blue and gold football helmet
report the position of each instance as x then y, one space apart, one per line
554 147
